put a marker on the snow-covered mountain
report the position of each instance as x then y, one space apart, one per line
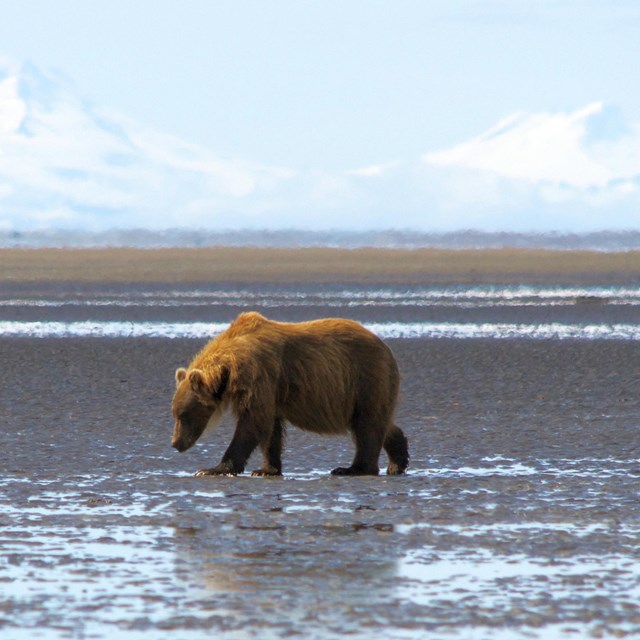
589 149
577 170
68 164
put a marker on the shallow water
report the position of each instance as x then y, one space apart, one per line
481 311
272 296
496 550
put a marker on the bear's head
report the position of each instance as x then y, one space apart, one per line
198 403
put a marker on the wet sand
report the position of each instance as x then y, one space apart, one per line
321 265
519 517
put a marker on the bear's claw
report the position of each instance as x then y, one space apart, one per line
268 469
269 472
214 472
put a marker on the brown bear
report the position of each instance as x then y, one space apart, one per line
327 376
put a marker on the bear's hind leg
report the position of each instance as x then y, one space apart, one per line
368 440
397 447
272 452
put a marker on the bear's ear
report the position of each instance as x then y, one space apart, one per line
199 384
181 374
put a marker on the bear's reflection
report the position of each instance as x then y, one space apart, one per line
308 565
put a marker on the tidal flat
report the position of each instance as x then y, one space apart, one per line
519 517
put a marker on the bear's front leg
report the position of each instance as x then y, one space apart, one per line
272 452
244 441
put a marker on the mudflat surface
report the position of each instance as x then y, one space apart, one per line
320 265
519 516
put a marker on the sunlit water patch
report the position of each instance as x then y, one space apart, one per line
203 330
584 596
492 547
101 580
500 466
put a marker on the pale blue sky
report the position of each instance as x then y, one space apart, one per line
328 88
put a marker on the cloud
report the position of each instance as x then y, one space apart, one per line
374 170
12 109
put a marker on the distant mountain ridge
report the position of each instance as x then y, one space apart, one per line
407 239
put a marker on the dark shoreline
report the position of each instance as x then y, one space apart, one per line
276 239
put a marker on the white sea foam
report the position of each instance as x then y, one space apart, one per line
204 330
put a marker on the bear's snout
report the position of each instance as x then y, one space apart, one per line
181 440
183 443
178 444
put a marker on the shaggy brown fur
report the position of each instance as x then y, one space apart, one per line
328 376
